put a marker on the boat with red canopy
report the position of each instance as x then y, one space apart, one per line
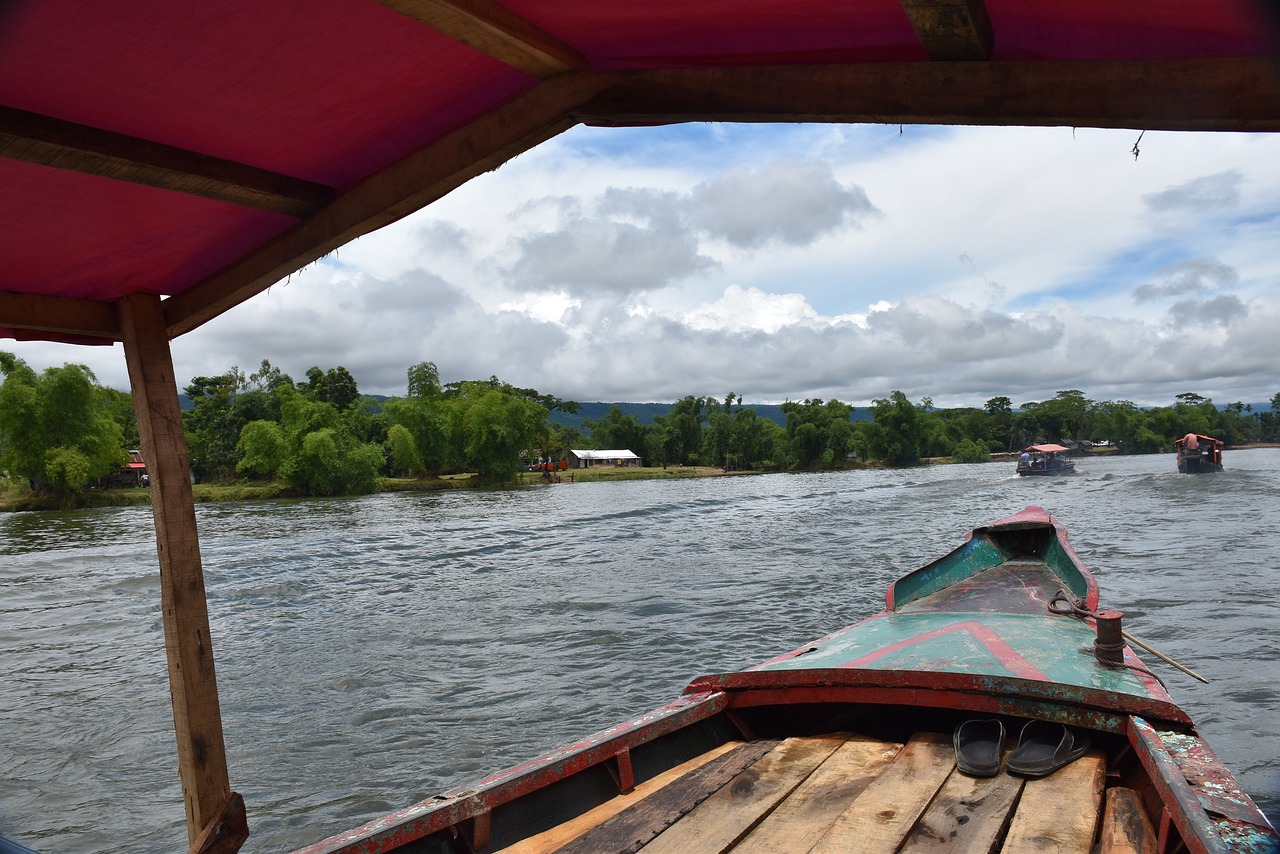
993 705
1046 459
1198 454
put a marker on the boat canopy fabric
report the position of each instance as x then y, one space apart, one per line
205 151
1049 449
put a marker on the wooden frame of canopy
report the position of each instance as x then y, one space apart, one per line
956 73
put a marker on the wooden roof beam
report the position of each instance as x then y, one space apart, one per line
951 30
495 30
399 190
35 138
61 315
1224 94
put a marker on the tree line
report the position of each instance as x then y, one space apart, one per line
60 429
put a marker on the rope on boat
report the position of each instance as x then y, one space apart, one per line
1064 605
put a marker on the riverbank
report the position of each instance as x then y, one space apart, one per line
16 497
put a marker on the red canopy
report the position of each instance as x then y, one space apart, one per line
204 151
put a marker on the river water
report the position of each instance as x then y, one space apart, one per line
375 651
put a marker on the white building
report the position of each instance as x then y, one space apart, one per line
586 459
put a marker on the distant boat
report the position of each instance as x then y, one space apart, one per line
1045 459
885 736
1198 454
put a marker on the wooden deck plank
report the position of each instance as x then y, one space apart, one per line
968 816
1125 826
879 819
633 827
728 815
1059 813
554 838
817 802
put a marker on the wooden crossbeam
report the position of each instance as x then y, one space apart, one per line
951 29
61 315
1221 94
34 138
495 30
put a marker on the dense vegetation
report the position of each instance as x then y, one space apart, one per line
60 430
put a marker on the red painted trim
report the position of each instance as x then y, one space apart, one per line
996 645
896 686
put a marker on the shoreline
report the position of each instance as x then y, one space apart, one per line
205 493
13 502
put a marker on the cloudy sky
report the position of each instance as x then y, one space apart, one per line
796 261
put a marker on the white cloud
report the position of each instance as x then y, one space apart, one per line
646 264
740 310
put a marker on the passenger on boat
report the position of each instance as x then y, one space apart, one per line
1190 442
1025 459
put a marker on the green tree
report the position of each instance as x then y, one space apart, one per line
683 426
496 428
1065 415
323 457
969 451
424 381
213 426
58 428
1117 421
404 451
430 424
819 432
899 429
262 448
616 430
336 387
315 468
1269 421
66 470
999 411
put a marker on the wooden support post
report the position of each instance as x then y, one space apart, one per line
193 687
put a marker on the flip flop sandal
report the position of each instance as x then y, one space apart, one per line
1044 747
978 745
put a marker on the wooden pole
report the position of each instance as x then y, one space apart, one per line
214 822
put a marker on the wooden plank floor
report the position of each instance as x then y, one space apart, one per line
839 793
